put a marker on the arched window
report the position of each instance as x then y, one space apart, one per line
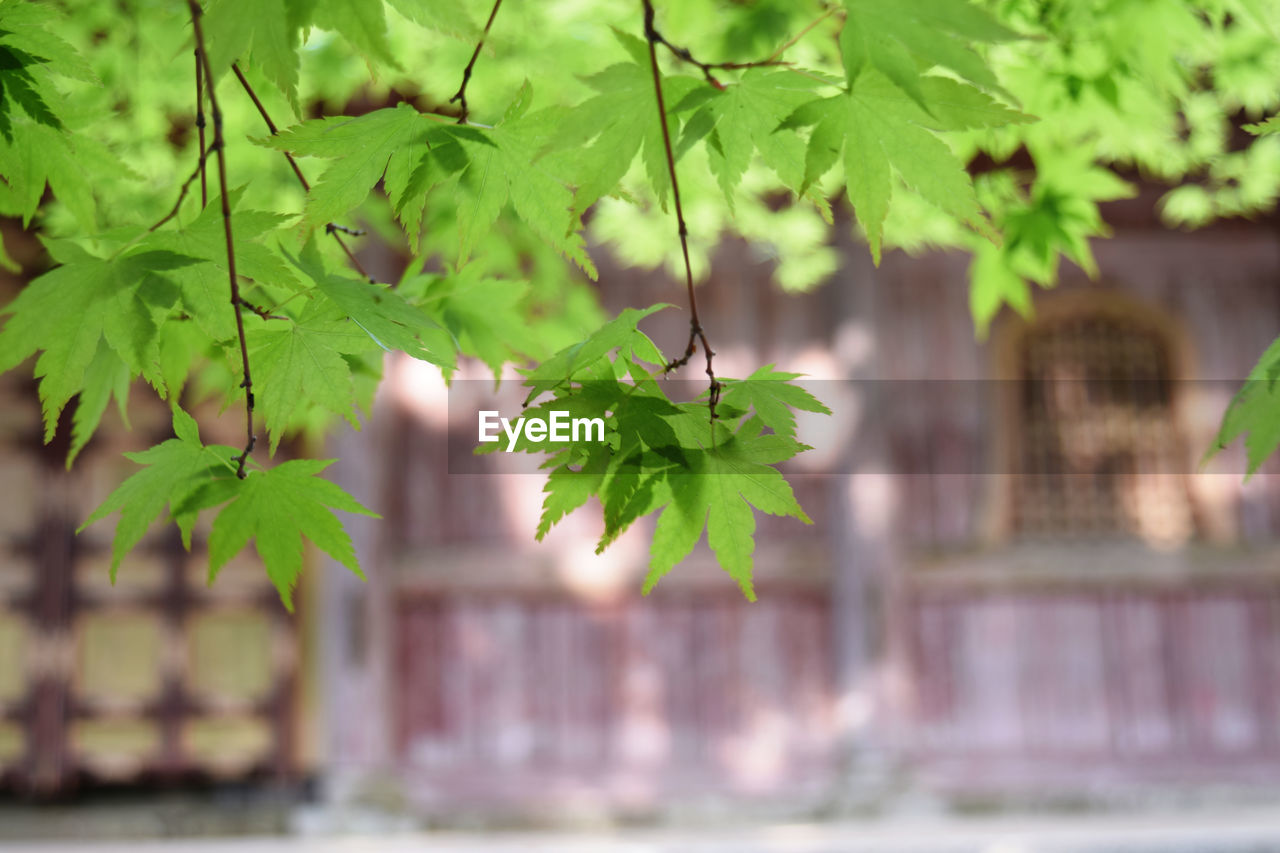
1096 445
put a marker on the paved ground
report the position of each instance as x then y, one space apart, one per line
1221 832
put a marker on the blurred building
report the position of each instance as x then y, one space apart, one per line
1021 581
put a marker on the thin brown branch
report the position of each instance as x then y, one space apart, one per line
219 146
773 60
186 185
200 158
204 184
461 95
696 333
330 228
684 55
260 311
271 125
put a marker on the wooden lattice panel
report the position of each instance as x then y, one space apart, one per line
155 676
119 663
116 747
19 661
13 746
14 643
230 745
1098 454
229 658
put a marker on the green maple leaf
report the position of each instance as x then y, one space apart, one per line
649 439
34 155
898 39
1055 219
176 469
205 289
500 171
567 488
618 123
450 17
993 284
36 147
19 86
276 508
1052 222
643 415
661 456
632 489
418 166
1254 413
262 31
743 118
107 375
361 22
626 470
883 132
115 299
1264 128
620 333
956 106
1262 14
485 315
30 56
301 364
381 313
771 395
390 321
358 149
27 27
719 492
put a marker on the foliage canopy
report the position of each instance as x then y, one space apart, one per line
207 249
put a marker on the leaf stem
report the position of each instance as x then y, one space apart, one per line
696 333
219 146
787 45
461 94
330 228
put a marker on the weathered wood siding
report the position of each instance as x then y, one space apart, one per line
1114 681
519 698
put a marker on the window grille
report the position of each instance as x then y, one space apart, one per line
1097 449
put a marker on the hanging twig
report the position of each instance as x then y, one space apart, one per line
330 228
204 184
219 146
200 158
186 185
696 333
461 94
